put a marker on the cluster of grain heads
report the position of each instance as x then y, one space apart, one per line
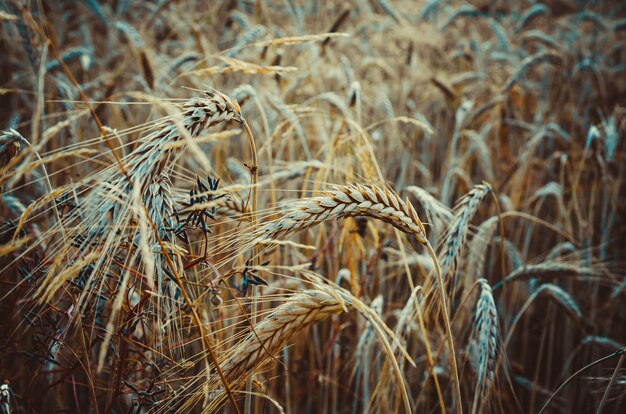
128 285
369 201
127 216
255 349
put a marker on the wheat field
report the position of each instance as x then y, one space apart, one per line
293 206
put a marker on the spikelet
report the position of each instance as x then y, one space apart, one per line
141 194
233 207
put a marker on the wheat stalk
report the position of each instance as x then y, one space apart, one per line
453 242
363 357
407 315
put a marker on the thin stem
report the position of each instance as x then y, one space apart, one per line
429 359
446 320
502 249
194 313
620 352
605 397
429 355
502 238
253 192
46 176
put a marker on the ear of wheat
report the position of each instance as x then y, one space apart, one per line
268 337
546 271
465 210
348 201
564 299
485 336
278 327
477 253
233 207
435 210
289 319
154 152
